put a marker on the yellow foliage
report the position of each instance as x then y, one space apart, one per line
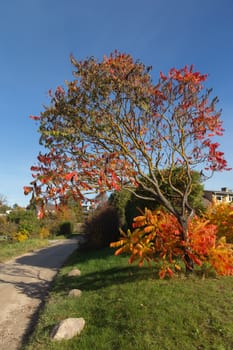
221 258
20 236
44 232
221 215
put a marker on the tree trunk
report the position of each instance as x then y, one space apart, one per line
188 261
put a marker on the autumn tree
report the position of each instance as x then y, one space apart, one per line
112 126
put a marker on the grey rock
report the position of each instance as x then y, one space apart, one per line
75 293
68 328
74 272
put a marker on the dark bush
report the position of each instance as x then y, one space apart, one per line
65 228
102 227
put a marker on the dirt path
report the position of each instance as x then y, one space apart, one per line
24 283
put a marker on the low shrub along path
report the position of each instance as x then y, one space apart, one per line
24 283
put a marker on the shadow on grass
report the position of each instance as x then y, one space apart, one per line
105 278
84 254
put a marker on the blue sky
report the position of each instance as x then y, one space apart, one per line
37 37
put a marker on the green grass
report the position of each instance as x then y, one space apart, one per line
129 308
10 250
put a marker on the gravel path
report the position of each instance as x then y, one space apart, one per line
24 283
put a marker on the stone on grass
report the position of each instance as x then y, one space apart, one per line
74 272
75 293
68 328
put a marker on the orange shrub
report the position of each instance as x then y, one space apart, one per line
221 258
221 215
157 236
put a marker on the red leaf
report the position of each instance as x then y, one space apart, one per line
34 117
70 176
162 76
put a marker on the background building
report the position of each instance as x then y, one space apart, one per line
224 195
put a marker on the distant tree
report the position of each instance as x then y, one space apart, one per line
179 179
3 204
26 221
64 219
3 200
129 205
112 127
75 210
120 200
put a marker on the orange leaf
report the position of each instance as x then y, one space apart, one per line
27 189
117 244
40 214
170 272
148 229
162 273
139 218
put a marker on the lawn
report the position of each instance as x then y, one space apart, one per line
9 250
129 308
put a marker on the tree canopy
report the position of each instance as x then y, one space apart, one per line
113 127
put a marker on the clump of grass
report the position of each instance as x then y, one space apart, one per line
126 307
9 250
